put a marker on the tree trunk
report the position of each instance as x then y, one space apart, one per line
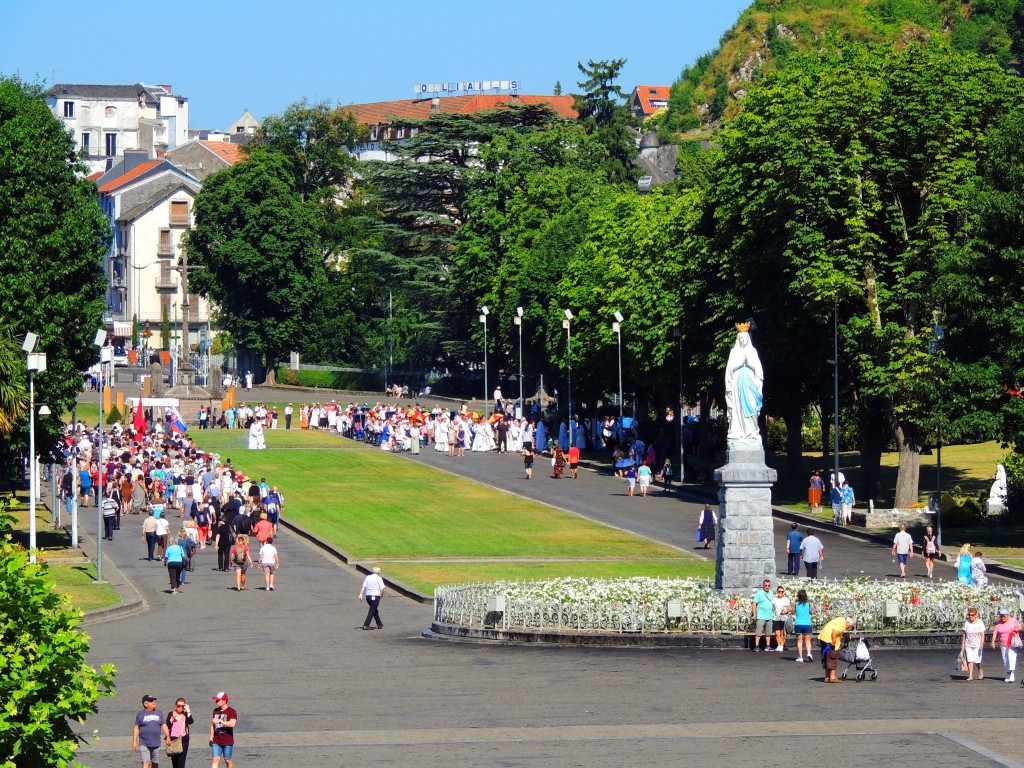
909 475
794 443
870 486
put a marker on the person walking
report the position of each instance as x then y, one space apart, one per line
222 730
979 573
1006 633
288 410
149 535
972 643
176 729
762 611
222 539
241 560
802 626
812 552
708 525
815 487
793 540
574 461
372 591
147 731
174 559
902 548
644 477
930 550
963 564
849 499
781 611
528 459
270 561
835 498
111 505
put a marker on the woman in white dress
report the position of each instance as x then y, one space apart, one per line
256 441
515 436
482 439
441 434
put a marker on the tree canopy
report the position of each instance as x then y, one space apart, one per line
53 237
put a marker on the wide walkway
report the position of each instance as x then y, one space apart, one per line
312 688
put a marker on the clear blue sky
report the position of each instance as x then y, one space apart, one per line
261 55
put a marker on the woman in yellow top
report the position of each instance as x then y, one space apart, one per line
831 637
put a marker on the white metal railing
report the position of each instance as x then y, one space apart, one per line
715 612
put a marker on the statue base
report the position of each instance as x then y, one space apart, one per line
746 537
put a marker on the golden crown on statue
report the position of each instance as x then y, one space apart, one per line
742 327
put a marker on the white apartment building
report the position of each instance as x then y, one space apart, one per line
106 120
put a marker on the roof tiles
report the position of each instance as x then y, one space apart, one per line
420 109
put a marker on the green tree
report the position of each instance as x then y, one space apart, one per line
53 238
846 178
604 113
13 393
313 140
413 210
45 682
263 261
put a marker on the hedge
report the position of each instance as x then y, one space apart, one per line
356 381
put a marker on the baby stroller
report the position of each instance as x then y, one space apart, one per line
859 656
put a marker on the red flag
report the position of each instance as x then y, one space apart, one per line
139 422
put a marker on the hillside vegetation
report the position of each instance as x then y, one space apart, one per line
770 31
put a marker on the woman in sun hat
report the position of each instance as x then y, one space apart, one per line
1007 633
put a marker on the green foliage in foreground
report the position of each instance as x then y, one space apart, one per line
45 682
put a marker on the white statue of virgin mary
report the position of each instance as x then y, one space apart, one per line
744 385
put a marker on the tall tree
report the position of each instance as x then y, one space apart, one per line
53 237
604 113
845 179
264 261
313 140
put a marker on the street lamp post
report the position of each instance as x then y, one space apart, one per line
678 333
518 320
935 347
174 345
567 324
835 393
35 363
106 355
484 312
617 328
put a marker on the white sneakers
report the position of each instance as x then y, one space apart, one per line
1009 679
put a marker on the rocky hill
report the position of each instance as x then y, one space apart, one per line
771 31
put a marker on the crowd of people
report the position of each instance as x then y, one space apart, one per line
189 500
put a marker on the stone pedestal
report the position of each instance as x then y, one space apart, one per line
746 540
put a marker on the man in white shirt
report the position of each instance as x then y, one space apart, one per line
812 552
903 549
372 590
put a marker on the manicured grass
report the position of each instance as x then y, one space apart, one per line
377 507
74 578
77 582
425 576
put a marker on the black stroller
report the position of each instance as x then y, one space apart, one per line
859 657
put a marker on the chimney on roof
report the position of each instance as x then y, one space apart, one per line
435 105
133 158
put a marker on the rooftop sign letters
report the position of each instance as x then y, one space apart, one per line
466 86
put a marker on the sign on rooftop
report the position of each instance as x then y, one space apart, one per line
466 86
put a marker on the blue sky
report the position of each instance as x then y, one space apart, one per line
264 55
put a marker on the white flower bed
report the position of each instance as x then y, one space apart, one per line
641 605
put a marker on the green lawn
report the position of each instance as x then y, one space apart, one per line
379 508
75 576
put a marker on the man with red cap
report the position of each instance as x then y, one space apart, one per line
222 730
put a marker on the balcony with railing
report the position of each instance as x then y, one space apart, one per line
166 284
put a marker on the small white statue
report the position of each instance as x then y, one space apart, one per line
744 385
997 495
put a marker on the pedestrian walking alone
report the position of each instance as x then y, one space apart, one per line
372 591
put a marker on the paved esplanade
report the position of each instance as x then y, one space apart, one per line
312 689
